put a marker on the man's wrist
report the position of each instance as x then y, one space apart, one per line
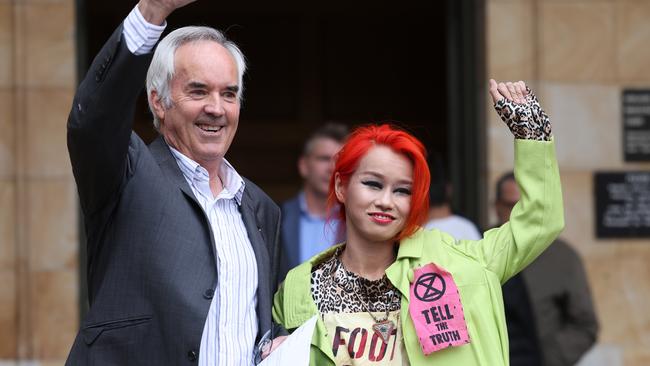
153 14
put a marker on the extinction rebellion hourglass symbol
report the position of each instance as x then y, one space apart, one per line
430 287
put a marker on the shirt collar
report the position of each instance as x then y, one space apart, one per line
233 183
302 203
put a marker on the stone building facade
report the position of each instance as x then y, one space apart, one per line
577 54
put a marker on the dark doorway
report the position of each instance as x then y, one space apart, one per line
354 63
414 63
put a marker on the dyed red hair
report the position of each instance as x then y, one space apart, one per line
357 146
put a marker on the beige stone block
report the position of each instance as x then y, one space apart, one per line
510 40
6 49
633 30
7 137
52 225
577 41
636 356
501 149
7 226
587 125
604 273
621 291
8 324
49 51
48 1
52 363
47 153
54 313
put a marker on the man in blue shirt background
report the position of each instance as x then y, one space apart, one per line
305 230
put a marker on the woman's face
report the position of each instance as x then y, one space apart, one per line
377 197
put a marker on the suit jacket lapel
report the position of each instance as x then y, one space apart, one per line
169 166
167 163
253 228
165 159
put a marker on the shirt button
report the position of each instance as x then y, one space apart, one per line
208 294
192 355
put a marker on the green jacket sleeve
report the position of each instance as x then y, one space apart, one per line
536 220
278 306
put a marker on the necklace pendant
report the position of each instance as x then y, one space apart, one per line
384 329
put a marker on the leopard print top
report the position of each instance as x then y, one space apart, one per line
337 290
527 121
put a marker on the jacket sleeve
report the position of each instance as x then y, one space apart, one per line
278 306
101 121
535 221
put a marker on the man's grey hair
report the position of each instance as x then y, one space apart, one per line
161 71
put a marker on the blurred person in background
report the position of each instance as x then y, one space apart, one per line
305 230
441 216
554 292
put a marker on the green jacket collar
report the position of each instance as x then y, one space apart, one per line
299 303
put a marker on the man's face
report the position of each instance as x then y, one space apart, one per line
316 166
203 118
509 197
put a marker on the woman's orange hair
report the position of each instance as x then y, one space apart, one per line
401 142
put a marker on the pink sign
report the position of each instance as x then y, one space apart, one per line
436 309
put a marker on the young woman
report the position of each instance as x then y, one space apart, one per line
395 294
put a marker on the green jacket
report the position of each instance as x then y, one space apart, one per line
479 269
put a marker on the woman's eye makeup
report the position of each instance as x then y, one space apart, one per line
378 185
372 183
406 191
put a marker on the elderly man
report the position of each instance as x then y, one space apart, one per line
182 251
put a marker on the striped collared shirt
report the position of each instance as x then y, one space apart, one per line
141 36
231 327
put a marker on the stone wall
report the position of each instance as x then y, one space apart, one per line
38 216
578 55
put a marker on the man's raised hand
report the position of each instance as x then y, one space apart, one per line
156 11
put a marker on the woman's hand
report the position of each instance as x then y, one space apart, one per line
519 108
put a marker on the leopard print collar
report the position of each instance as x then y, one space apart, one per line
345 295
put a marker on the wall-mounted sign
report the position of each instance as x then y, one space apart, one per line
636 125
622 204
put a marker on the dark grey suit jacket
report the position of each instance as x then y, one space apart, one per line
290 236
151 260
